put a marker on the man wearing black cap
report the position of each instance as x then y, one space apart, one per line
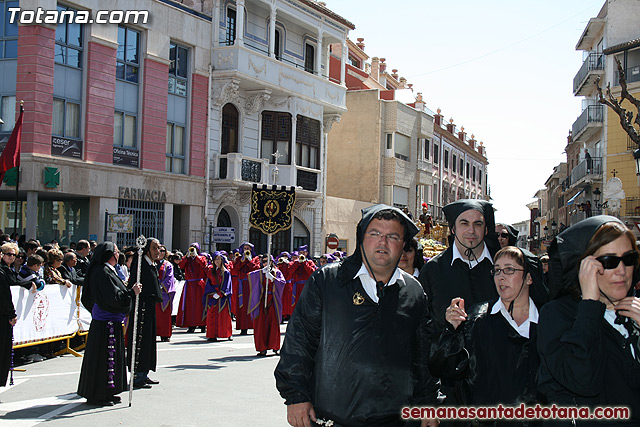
356 346
463 269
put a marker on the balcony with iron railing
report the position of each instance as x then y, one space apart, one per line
592 67
632 75
591 169
235 167
588 123
632 206
288 78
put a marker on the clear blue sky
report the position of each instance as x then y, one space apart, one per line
502 69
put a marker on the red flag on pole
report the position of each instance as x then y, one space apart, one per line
10 157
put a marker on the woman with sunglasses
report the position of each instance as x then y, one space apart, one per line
489 350
507 235
8 317
588 335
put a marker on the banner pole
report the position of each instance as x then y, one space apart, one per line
266 280
141 243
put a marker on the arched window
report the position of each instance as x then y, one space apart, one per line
229 143
224 220
277 47
301 235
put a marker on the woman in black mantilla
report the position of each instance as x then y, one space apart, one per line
489 349
146 333
588 335
104 374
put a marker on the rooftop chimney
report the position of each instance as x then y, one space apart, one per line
383 66
437 119
360 43
394 73
450 126
420 102
375 68
462 136
472 142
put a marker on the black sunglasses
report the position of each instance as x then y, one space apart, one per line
504 235
609 262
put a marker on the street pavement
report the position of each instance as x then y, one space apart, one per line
201 384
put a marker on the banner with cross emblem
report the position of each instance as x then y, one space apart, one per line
272 208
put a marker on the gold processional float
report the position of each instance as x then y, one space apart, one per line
432 242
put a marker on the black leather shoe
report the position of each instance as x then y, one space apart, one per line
115 399
141 385
243 332
100 402
262 354
191 330
152 382
212 339
165 339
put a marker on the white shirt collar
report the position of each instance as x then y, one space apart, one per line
416 273
522 330
610 316
111 267
456 255
369 284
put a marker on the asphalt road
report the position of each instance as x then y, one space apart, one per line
201 384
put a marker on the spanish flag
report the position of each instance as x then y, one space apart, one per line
10 157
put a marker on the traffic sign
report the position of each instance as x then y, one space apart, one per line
333 241
224 234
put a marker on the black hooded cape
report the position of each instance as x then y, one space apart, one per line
149 296
442 281
487 359
356 361
584 360
104 288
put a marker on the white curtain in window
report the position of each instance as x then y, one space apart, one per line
129 131
117 129
8 113
178 143
403 145
72 120
58 117
400 196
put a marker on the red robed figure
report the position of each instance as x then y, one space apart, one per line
267 320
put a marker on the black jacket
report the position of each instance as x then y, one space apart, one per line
356 361
70 274
442 282
490 362
146 334
585 361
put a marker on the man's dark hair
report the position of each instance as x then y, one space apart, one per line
81 245
68 257
47 247
31 245
392 215
42 253
34 260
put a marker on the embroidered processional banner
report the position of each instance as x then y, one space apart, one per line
272 208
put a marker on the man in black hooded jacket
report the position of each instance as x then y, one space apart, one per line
356 346
463 269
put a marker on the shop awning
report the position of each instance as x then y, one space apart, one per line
571 200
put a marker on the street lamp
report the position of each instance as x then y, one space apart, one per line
596 196
554 227
546 231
